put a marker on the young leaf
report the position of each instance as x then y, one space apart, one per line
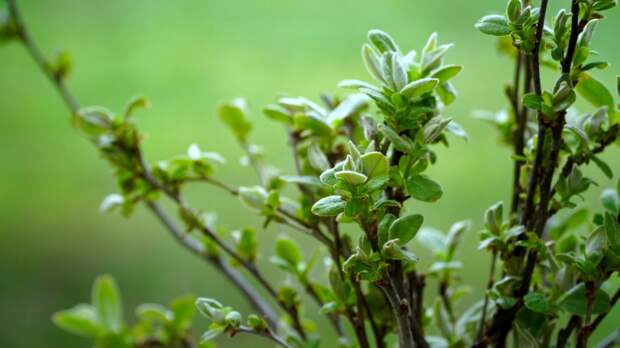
209 308
513 10
423 188
397 141
405 228
317 158
81 320
253 197
287 250
375 164
110 202
595 92
447 72
349 106
351 177
382 41
392 250
329 206
537 302
278 114
373 64
356 84
533 101
575 302
419 87
495 25
183 310
235 115
106 299
610 201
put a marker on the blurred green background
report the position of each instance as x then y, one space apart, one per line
186 56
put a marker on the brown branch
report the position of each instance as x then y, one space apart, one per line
520 114
565 333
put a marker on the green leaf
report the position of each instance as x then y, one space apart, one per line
433 240
135 103
399 72
392 250
537 302
356 84
349 106
423 188
183 310
419 87
209 308
397 141
233 319
533 101
610 201
107 301
495 25
513 10
382 41
383 234
211 334
574 301
253 197
247 244
317 158
81 320
278 114
154 312
110 202
602 5
307 180
434 128
287 250
595 92
604 167
312 123
493 217
256 323
351 177
235 115
375 164
373 65
405 228
447 72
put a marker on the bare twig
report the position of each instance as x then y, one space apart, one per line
267 334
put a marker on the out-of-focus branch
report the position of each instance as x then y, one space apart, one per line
73 105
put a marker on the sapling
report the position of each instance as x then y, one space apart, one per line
361 160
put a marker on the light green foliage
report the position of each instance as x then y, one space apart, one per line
363 159
103 321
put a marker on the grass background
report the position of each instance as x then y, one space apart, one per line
186 56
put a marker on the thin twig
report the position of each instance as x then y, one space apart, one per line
564 334
267 334
255 299
490 283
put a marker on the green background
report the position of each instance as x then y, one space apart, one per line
186 56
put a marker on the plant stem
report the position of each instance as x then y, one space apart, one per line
502 320
490 283
565 333
586 329
267 334
255 299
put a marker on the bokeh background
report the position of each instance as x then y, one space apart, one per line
186 56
